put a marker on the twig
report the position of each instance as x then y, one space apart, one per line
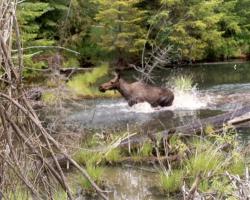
47 47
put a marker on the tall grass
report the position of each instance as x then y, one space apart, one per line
172 181
182 83
206 158
84 84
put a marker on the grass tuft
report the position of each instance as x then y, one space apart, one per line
172 182
205 161
87 157
113 155
95 173
146 149
182 83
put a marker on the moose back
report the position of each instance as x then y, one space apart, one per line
138 91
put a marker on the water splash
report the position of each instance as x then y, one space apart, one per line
187 97
190 99
184 100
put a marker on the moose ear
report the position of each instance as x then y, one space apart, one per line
117 75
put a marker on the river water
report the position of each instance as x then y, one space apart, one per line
216 88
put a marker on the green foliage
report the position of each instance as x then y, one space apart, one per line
193 26
82 84
205 161
146 149
19 194
113 155
221 186
79 31
182 82
27 13
49 98
177 145
71 62
120 29
237 166
117 30
60 195
95 173
87 157
203 29
172 181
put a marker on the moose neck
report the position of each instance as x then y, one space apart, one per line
124 89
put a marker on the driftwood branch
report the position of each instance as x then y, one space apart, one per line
47 47
24 140
234 118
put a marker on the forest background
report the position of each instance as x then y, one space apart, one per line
120 31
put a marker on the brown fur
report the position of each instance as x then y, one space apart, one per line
137 92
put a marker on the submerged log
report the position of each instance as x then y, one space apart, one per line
234 118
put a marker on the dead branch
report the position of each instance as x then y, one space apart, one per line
24 140
234 118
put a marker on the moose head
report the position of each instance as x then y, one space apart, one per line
113 84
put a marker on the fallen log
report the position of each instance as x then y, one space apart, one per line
234 118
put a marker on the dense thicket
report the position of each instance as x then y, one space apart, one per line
118 30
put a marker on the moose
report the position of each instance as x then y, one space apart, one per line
138 92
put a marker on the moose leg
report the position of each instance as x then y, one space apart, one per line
166 101
132 101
